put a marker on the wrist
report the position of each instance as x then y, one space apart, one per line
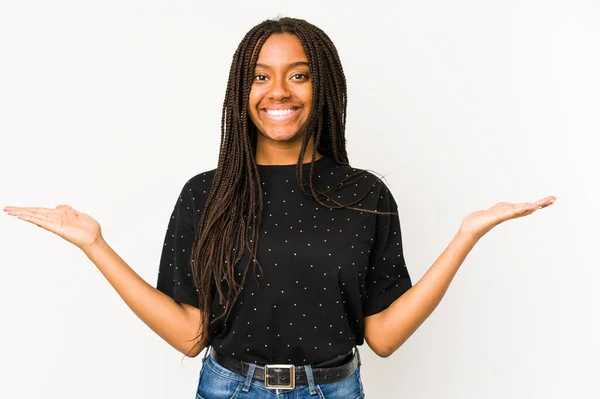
98 245
468 237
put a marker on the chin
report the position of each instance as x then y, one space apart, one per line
282 135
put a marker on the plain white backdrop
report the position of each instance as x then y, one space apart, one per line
111 106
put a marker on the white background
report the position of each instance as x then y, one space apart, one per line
111 106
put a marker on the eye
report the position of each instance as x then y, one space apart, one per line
300 76
260 78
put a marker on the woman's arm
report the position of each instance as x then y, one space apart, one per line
387 330
177 323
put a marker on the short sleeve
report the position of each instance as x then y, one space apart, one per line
387 274
175 273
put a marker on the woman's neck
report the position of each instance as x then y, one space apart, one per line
278 153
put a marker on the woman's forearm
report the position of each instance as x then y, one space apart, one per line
176 323
387 330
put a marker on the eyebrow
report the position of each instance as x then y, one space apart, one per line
292 65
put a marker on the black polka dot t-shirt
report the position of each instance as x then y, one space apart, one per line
324 270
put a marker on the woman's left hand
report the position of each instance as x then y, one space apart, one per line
477 224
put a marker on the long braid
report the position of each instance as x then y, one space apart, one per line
231 220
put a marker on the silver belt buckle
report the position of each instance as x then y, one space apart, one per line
290 367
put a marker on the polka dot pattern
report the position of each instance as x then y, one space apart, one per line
324 270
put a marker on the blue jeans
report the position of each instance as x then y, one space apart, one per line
216 382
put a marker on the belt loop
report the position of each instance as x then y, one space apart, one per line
206 352
249 376
357 354
310 378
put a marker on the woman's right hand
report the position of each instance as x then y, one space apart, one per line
77 228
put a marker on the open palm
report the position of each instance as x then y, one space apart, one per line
78 228
480 222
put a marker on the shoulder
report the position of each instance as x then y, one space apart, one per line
361 178
201 182
194 191
356 186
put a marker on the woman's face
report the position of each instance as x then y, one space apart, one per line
281 94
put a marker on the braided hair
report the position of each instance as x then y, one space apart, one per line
232 216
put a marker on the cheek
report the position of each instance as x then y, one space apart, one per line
252 103
252 100
307 98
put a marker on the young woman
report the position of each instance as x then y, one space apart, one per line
284 259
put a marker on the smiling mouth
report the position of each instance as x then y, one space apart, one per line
281 115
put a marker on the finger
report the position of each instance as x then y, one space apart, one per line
549 200
519 210
541 203
34 210
27 212
38 221
30 215
526 207
43 217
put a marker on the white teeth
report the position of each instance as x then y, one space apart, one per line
279 112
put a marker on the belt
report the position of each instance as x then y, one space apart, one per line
287 376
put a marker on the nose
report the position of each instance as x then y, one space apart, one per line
279 89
